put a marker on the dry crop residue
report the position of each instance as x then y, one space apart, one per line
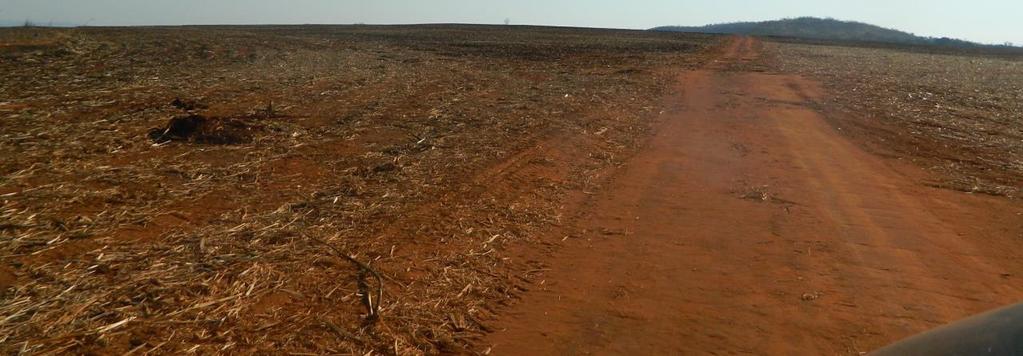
957 114
428 153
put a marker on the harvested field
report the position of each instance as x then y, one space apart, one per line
960 115
457 189
205 189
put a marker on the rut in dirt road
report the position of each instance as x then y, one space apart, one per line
750 225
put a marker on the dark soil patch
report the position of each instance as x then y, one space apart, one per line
7 278
207 130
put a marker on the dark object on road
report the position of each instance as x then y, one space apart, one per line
998 332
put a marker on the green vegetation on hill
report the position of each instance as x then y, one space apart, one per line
821 29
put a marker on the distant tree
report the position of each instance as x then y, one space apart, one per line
507 21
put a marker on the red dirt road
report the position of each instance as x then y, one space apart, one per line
748 224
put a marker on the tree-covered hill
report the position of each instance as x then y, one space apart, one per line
820 29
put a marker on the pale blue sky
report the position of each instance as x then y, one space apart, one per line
990 21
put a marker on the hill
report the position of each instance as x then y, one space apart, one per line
820 29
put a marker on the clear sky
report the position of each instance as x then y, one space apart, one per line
989 21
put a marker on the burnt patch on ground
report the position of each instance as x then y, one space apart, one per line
206 130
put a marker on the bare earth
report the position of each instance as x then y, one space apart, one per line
748 224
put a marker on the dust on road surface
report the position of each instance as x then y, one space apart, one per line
748 224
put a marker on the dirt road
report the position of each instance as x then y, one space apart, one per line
749 224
